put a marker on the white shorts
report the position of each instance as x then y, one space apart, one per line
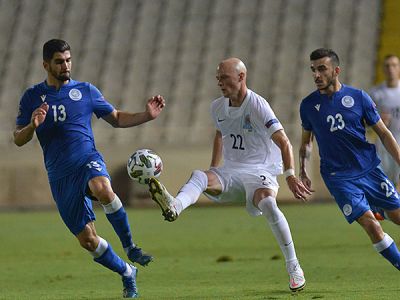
239 185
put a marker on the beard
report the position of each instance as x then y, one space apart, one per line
65 76
329 82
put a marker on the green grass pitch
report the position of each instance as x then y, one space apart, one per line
40 259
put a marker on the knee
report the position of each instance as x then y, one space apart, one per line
270 209
89 243
394 216
105 196
371 226
88 238
211 182
100 188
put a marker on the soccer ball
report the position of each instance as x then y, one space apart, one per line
144 164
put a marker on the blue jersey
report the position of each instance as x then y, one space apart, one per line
66 135
338 125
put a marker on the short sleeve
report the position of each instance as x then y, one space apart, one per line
305 123
212 111
101 107
266 118
370 113
25 110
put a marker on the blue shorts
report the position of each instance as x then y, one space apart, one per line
355 196
70 194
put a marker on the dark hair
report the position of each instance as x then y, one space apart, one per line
53 46
390 56
324 52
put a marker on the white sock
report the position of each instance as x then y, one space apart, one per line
384 244
128 271
113 206
280 228
191 191
101 248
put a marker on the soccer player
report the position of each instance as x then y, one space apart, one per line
336 115
253 144
59 110
387 98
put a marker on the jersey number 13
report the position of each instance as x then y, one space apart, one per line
59 113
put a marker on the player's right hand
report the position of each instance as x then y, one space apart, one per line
306 181
298 188
39 115
155 105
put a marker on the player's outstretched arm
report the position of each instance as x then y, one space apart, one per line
123 119
299 190
388 140
23 134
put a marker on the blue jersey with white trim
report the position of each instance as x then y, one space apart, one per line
338 125
66 135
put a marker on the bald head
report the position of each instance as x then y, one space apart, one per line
233 63
231 77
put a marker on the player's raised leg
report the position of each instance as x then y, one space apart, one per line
170 206
101 188
164 199
281 231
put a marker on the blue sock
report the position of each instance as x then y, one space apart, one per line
388 249
392 254
118 218
112 261
119 221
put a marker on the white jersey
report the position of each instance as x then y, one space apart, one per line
387 100
246 133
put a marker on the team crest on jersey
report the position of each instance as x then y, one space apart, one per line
247 124
348 101
75 94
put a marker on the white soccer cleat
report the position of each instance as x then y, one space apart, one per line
297 281
161 196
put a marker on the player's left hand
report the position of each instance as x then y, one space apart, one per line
299 190
155 105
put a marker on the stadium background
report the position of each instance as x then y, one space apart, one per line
132 49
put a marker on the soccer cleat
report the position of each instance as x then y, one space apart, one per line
297 282
161 196
136 255
129 283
